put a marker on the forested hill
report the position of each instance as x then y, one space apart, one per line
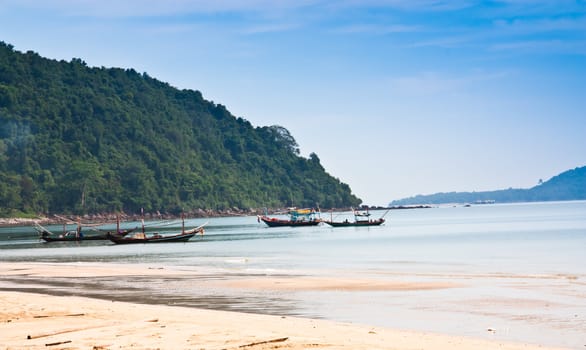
87 140
569 185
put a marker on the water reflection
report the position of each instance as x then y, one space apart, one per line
182 291
514 253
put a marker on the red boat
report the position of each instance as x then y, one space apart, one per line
297 217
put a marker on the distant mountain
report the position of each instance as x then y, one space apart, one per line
79 139
569 185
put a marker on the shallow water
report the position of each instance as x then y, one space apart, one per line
520 269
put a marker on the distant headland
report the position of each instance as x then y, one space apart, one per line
567 186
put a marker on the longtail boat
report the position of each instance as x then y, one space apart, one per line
154 238
70 236
360 219
78 234
143 237
297 217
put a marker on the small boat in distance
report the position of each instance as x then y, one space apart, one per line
360 219
142 237
297 217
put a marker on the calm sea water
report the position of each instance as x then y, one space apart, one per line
520 269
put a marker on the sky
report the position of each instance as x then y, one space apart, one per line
396 97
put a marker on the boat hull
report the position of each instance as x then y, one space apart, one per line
355 223
74 239
273 222
72 236
162 239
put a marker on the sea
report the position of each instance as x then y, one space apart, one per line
516 272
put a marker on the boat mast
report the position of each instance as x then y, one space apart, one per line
182 223
142 219
385 214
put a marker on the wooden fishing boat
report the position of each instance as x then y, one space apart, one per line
118 232
142 237
297 217
154 238
360 219
70 236
346 223
78 235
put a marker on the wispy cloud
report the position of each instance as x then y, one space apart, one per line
532 26
540 7
542 46
560 35
141 8
553 35
436 83
378 29
411 5
271 27
446 42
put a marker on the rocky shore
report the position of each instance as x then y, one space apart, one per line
111 217
195 213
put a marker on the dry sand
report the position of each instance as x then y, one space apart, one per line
35 321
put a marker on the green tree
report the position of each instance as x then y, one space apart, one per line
79 139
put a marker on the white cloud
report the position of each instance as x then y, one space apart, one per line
541 25
380 29
542 46
270 28
434 83
446 41
141 8
411 5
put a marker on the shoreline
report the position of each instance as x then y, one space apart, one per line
105 322
509 273
37 320
193 214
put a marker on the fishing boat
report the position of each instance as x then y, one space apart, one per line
155 237
69 236
297 217
78 234
361 218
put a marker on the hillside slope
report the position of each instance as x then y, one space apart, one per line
85 140
569 185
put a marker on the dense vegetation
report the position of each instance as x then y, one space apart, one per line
569 185
88 140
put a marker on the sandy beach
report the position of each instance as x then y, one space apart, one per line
32 321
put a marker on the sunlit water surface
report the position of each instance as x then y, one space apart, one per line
520 269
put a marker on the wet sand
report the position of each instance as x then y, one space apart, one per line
331 284
290 283
32 320
40 321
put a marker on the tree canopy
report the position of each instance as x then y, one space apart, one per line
83 139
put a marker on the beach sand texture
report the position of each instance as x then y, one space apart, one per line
36 321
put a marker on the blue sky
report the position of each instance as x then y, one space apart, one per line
396 97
